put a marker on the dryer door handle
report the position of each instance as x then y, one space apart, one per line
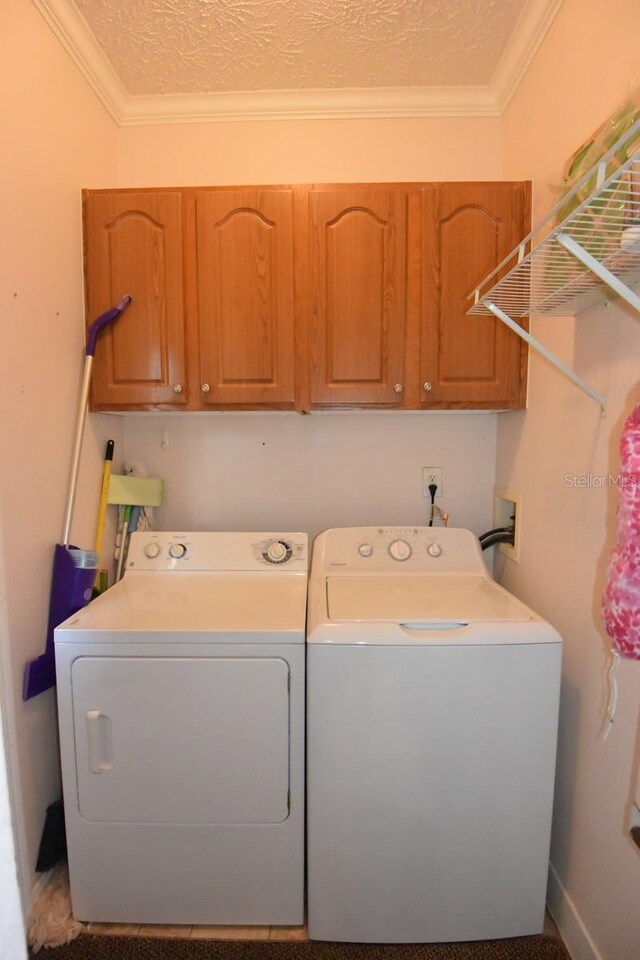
99 741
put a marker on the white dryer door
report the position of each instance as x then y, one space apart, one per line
172 740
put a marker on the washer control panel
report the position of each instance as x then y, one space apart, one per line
155 550
400 543
361 550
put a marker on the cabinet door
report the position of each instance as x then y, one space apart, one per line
133 244
245 296
468 229
357 278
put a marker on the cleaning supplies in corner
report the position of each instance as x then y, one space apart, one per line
135 495
102 579
104 494
71 583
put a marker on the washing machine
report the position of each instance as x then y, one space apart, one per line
181 709
432 710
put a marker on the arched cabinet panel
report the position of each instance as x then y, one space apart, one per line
468 228
245 296
357 258
133 244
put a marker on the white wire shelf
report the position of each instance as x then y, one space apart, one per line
592 255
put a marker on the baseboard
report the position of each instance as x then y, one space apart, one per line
571 927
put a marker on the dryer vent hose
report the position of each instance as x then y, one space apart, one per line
497 535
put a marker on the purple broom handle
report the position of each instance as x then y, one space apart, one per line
103 321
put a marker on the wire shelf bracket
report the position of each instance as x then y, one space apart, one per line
600 270
577 256
551 357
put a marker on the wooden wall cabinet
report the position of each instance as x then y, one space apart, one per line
245 297
357 252
468 229
303 297
134 245
390 270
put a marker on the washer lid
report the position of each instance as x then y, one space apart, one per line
414 601
243 607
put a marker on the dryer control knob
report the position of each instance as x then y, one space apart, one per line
434 550
278 551
152 550
400 549
365 549
177 550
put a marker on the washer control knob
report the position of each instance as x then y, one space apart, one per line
400 549
152 550
434 550
365 549
177 551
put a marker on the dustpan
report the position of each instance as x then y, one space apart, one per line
74 569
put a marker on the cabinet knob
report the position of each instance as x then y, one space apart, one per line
427 385
205 388
398 388
177 388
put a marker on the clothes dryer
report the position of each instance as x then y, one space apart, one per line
431 736
181 707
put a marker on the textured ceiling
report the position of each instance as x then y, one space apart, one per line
215 46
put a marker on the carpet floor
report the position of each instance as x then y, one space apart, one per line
88 947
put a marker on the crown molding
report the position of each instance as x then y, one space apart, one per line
74 34
312 105
529 32
72 30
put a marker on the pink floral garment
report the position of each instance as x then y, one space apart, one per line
621 600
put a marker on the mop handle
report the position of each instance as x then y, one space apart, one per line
103 321
92 335
104 495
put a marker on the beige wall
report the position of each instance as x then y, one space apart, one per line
289 472
310 151
580 74
56 138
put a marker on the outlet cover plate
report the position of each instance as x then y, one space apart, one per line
431 475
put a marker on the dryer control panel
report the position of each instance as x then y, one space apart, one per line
398 550
162 550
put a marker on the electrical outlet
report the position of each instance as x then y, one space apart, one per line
431 475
